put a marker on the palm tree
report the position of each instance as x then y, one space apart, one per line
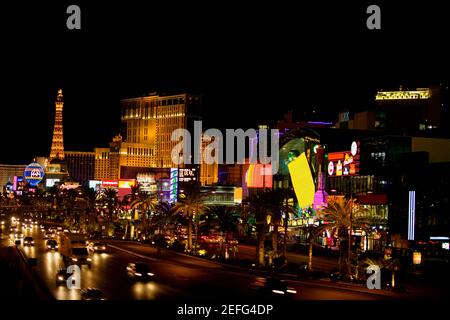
258 207
190 207
226 218
144 203
342 215
109 196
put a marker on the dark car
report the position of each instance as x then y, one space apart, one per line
62 276
98 247
28 241
51 245
139 271
273 286
92 294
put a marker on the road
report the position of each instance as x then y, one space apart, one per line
318 263
176 276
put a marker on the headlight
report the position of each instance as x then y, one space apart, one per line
150 274
278 291
103 248
60 278
74 259
32 242
89 259
138 274
291 291
49 247
95 248
56 247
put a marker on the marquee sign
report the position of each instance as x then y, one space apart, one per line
345 163
34 173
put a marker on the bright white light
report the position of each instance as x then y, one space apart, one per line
278 291
411 214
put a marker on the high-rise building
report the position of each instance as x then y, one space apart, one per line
150 121
81 166
57 149
409 111
209 173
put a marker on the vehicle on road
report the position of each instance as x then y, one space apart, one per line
98 247
28 241
139 271
51 244
92 294
49 235
73 249
18 235
273 286
62 276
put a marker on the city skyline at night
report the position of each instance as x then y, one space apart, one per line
200 153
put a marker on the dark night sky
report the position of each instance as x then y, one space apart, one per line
250 62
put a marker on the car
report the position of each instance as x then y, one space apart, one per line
28 241
18 235
92 294
98 247
62 276
273 286
49 235
139 271
51 244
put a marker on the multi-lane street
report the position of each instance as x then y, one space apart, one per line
177 276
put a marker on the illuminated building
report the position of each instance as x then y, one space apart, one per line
57 149
9 171
409 111
116 161
150 121
81 166
209 173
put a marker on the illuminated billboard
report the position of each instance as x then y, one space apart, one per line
302 180
126 184
94 184
344 163
259 176
173 189
34 173
187 175
51 182
110 183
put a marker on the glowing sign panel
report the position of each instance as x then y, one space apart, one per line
345 163
302 180
34 173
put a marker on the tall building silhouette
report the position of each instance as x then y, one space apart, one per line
57 149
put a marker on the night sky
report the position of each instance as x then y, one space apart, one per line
251 63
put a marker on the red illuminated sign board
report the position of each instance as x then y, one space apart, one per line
110 183
344 163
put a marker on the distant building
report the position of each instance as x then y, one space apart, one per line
8 172
81 166
409 111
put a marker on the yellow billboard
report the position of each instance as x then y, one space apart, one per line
302 181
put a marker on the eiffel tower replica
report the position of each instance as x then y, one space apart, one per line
56 167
